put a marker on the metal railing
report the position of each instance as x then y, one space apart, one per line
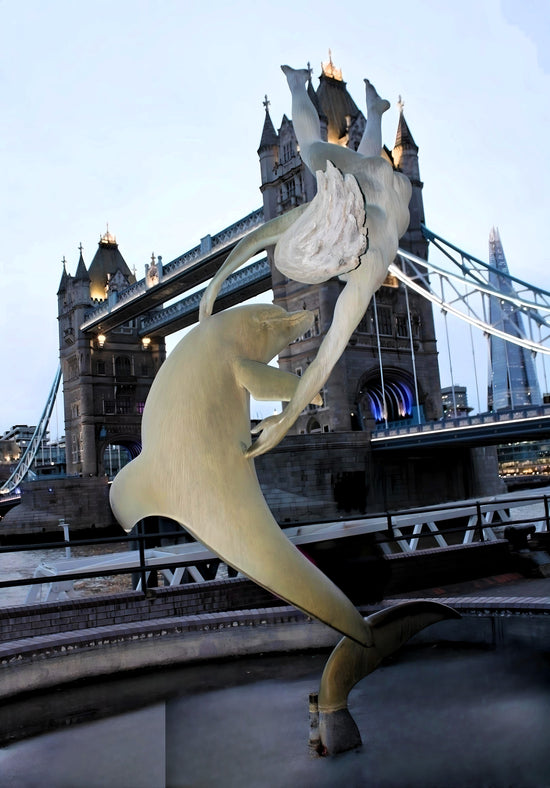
399 532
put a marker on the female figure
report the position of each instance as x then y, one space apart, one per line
386 196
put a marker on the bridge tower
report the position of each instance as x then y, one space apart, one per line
105 378
386 366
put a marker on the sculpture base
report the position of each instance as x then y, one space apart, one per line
338 732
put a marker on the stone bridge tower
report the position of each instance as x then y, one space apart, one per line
105 378
387 374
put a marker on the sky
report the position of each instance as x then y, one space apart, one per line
147 115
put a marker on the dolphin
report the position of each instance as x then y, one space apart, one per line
193 468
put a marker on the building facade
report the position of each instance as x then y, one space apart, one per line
455 401
389 371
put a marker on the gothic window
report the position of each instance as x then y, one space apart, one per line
288 151
75 410
122 366
123 405
291 188
75 449
100 367
401 326
384 320
72 368
365 326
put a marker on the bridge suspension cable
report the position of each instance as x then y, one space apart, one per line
470 288
30 452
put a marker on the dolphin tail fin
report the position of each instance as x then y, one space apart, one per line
350 662
394 626
131 496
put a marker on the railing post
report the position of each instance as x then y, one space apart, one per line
390 525
480 521
546 513
141 542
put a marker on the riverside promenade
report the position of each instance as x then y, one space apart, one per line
175 696
50 644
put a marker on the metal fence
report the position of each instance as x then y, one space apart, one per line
397 532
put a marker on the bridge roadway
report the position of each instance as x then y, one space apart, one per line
483 429
191 269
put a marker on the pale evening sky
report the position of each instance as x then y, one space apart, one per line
147 115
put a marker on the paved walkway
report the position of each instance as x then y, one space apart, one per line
505 586
510 593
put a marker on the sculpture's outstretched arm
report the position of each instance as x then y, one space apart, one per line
349 309
268 383
259 239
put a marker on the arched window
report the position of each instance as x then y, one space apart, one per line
122 366
313 426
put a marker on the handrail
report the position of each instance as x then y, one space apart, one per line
389 528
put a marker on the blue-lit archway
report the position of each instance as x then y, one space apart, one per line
387 400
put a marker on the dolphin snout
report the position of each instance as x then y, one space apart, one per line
300 321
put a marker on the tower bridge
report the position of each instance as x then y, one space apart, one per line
190 269
384 395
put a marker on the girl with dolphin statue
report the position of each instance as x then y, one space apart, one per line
196 423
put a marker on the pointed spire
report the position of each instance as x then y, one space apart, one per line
269 135
108 239
64 276
81 270
403 137
330 70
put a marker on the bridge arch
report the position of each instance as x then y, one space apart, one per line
115 451
389 399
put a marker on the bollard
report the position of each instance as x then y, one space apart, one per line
65 526
314 742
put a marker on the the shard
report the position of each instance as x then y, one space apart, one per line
512 375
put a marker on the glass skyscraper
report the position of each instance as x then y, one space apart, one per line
512 375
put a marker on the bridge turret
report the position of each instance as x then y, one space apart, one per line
405 159
106 263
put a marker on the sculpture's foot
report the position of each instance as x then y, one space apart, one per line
375 104
337 732
296 77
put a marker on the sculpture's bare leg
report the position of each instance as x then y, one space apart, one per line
371 142
304 115
350 662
